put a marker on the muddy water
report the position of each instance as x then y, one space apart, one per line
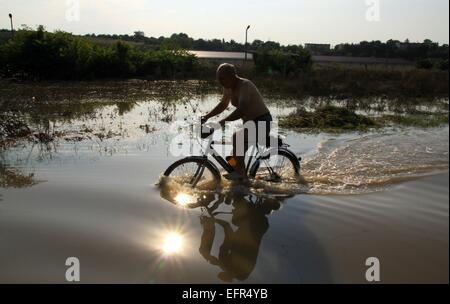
91 193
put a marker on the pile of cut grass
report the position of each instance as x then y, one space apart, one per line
327 118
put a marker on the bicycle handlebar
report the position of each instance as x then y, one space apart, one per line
206 131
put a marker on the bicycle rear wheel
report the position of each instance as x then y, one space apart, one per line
280 167
195 173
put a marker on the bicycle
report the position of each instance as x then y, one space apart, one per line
272 164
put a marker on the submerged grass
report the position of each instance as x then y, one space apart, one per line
13 178
27 105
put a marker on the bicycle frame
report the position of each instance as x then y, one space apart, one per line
258 156
222 162
254 160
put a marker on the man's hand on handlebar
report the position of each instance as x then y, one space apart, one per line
204 119
207 129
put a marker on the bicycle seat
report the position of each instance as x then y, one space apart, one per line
279 140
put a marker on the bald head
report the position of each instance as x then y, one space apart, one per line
226 74
227 69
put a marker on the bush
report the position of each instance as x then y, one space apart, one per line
59 55
443 65
280 62
426 64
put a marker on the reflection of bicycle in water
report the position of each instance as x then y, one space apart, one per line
270 163
249 215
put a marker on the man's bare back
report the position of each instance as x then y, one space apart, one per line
248 99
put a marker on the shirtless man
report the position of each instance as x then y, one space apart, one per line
250 107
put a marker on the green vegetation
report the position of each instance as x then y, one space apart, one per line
13 178
337 119
326 118
415 120
11 126
389 49
43 55
183 41
291 63
342 83
40 55
427 51
428 64
418 52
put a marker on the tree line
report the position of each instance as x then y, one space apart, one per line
38 54
426 54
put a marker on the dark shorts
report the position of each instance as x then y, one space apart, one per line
266 117
263 124
262 127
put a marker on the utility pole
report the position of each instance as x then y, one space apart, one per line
246 36
12 26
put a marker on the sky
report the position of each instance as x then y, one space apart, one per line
284 21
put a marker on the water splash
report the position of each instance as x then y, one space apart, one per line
377 161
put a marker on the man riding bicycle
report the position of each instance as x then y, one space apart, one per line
250 107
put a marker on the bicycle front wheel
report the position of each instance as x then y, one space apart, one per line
194 173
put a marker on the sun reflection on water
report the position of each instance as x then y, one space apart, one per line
172 243
184 199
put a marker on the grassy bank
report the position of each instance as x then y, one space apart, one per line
345 83
428 120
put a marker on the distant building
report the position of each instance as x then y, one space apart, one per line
139 34
236 58
415 45
363 62
318 49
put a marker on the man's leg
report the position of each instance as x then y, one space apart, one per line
207 239
240 147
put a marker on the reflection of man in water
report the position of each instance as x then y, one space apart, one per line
239 251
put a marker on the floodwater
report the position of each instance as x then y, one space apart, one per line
91 191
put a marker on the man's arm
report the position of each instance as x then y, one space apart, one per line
238 113
219 108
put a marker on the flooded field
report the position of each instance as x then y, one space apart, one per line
83 182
